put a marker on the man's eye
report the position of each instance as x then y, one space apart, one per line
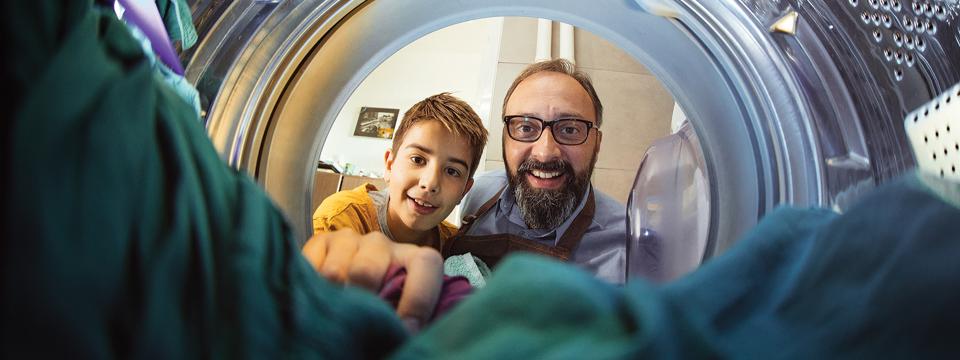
526 129
570 130
417 160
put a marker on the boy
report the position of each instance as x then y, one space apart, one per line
429 169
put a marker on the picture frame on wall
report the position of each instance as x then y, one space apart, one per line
376 122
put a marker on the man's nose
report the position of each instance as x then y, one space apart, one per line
430 178
546 147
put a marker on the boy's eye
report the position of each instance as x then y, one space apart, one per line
418 160
454 172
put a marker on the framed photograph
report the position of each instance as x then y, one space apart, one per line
376 122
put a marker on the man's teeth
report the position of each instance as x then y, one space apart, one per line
545 175
421 203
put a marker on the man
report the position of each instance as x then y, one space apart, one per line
543 201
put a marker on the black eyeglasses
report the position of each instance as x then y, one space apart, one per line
566 131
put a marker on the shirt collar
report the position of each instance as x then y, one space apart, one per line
381 199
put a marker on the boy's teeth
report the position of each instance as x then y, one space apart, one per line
545 175
421 203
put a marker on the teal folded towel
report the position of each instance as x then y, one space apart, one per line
475 270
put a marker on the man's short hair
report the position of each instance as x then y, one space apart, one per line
455 115
562 66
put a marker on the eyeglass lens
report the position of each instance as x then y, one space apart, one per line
565 131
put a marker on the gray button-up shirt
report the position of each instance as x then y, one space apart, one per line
602 250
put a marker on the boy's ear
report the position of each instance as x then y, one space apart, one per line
466 189
388 159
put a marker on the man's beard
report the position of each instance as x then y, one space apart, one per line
546 208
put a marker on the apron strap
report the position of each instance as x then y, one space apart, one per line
468 220
491 248
571 238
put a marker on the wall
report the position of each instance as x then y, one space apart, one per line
632 99
460 59
477 61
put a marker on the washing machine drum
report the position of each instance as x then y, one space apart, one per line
790 102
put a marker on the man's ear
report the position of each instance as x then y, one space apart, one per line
466 189
388 159
596 149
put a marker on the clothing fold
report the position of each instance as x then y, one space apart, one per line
124 233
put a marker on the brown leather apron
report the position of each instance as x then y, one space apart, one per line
492 248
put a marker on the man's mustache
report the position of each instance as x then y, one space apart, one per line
555 165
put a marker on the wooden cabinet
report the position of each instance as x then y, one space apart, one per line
352 181
326 183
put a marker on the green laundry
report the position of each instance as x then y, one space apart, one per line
178 22
876 282
126 236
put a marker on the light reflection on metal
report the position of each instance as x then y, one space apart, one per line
787 24
662 8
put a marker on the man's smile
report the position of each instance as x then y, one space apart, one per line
546 180
544 174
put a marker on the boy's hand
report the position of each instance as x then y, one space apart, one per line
347 257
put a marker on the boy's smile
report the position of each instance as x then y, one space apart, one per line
422 207
426 179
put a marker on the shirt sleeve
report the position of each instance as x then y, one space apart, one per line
340 211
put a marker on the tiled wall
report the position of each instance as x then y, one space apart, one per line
637 109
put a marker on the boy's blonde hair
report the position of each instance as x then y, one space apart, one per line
455 115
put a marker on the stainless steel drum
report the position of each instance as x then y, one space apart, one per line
795 102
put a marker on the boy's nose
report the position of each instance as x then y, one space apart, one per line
430 179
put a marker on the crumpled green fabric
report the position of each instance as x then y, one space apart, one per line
125 236
177 83
178 21
877 282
